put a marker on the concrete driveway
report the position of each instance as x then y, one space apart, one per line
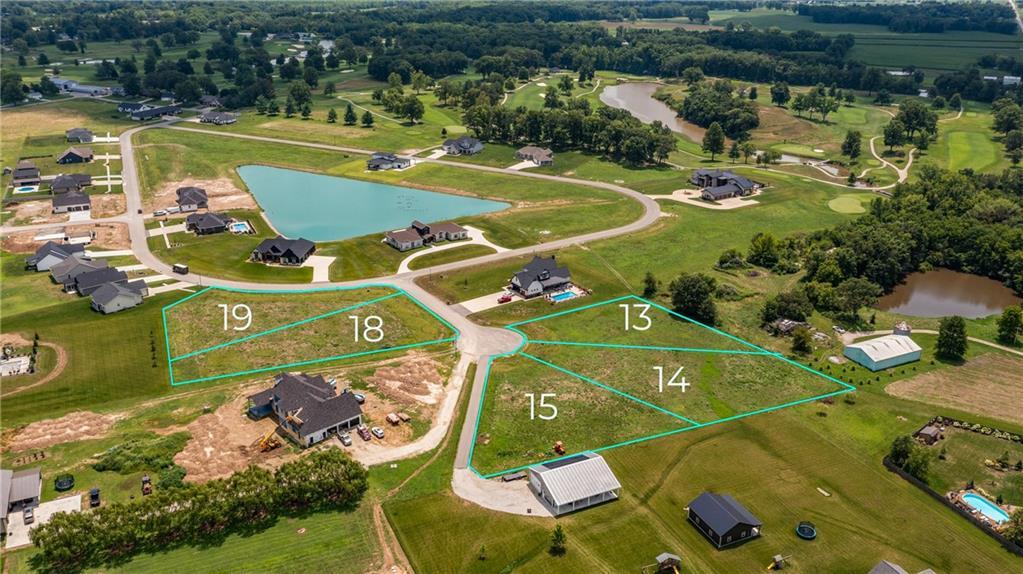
17 530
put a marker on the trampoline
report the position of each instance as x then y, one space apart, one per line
806 530
64 483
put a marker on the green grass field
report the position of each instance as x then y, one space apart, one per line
449 255
963 459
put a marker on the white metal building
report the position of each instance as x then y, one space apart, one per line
884 352
575 482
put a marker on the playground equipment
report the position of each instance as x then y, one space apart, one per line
666 563
64 483
806 530
559 447
269 441
778 562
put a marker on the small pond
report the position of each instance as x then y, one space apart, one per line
327 208
637 98
942 292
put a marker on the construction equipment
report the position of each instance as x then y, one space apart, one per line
269 441
559 447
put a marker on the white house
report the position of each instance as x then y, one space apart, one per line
574 483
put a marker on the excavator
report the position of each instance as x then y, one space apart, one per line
269 441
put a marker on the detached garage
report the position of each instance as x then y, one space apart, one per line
884 352
574 483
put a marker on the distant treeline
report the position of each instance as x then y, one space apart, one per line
933 17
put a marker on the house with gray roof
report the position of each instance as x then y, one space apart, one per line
75 154
283 251
541 275
419 234
464 145
717 184
65 272
722 519
207 223
87 283
381 161
26 173
210 101
78 135
66 183
114 297
306 407
18 490
148 113
886 567
218 118
574 483
191 198
131 107
71 201
50 254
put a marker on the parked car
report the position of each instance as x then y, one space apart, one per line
346 439
838 329
378 432
30 516
180 268
364 433
159 213
93 498
173 210
505 298
359 397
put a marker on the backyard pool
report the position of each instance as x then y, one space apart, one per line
559 297
327 208
986 507
26 189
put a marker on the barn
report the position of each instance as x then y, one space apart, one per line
722 519
574 483
884 352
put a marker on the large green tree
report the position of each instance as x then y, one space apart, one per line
714 140
952 341
692 295
1010 324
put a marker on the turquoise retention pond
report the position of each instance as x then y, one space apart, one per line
327 208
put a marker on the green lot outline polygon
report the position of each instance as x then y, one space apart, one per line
755 350
398 292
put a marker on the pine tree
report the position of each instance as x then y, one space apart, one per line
649 285
272 109
307 111
558 540
350 117
367 119
289 108
714 140
331 116
733 152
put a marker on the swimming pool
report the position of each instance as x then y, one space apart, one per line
986 507
327 208
26 189
559 297
239 227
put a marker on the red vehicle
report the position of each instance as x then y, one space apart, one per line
505 298
364 433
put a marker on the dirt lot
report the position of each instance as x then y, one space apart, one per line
417 379
224 442
990 385
75 426
108 205
222 192
107 236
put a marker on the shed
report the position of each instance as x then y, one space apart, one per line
884 352
722 519
574 483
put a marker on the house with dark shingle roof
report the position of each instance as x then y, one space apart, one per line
129 107
71 201
207 223
75 155
65 183
722 519
64 273
218 118
464 145
87 283
148 113
716 184
283 251
78 135
306 407
50 254
380 161
26 173
419 234
114 297
192 198
541 275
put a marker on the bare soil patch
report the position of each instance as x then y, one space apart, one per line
990 385
34 212
108 205
76 426
224 442
105 236
417 379
222 192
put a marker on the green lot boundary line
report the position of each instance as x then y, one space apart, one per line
286 326
708 327
315 361
649 348
479 412
609 388
567 311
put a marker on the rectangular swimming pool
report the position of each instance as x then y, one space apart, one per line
327 208
559 297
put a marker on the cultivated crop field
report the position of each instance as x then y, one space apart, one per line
220 334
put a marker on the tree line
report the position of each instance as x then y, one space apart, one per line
247 501
930 17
